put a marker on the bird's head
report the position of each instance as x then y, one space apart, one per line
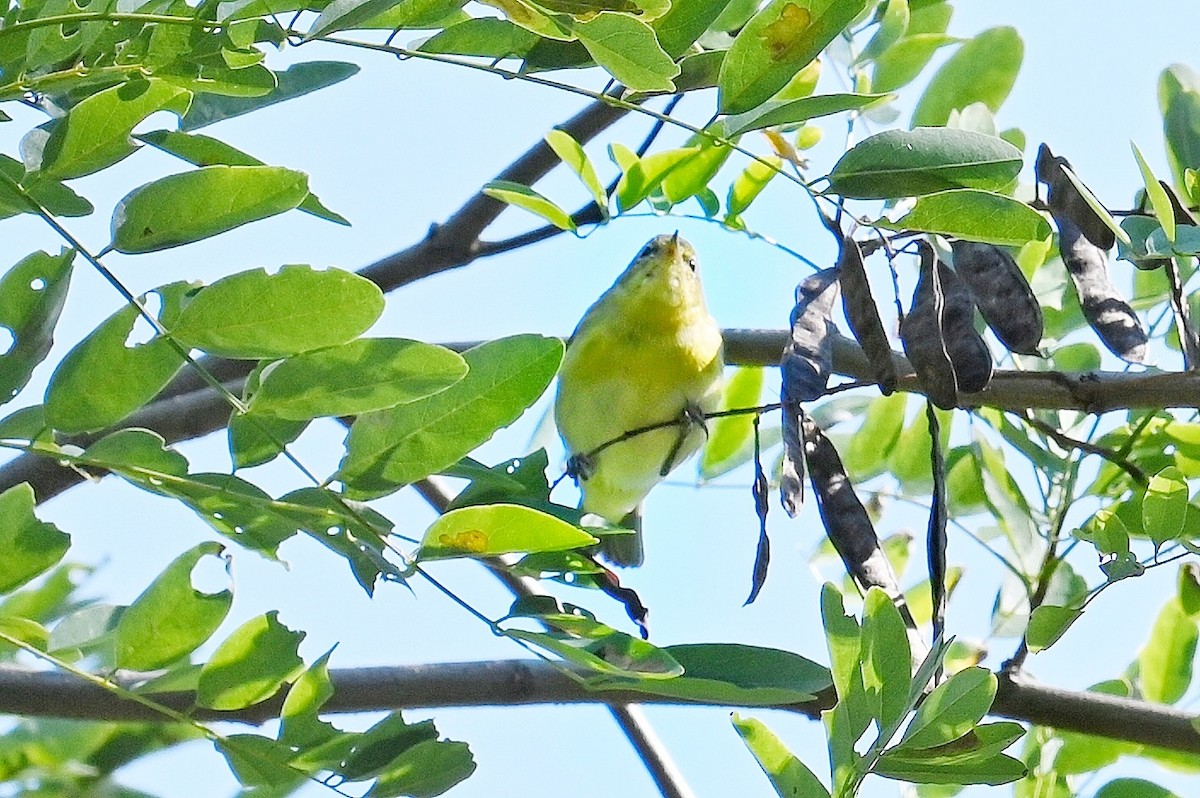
665 270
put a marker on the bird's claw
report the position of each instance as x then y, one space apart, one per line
580 467
691 416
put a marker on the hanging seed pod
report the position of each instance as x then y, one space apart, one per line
808 358
861 312
806 364
969 355
1002 294
1114 321
846 521
921 335
863 316
791 479
1065 200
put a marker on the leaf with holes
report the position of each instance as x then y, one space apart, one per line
28 546
171 618
103 379
32 294
251 665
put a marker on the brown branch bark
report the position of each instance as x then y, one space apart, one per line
511 683
201 411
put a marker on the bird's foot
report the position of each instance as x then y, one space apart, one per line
580 467
690 417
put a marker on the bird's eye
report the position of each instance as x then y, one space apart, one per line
692 264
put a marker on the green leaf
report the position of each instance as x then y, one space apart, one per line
892 25
887 659
746 187
32 294
571 153
347 15
952 709
792 112
258 761
844 638
95 133
641 176
28 547
692 176
983 70
256 439
427 769
976 216
1165 505
776 44
790 777
492 529
300 723
731 438
1165 663
1179 102
1047 624
867 454
171 619
901 64
607 652
358 377
1127 787
201 150
526 198
50 194
391 448
909 163
192 206
1159 201
103 379
995 769
296 81
626 47
254 314
251 665
684 23
737 675
486 37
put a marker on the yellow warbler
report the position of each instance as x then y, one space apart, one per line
646 353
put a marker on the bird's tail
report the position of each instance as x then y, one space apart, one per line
625 550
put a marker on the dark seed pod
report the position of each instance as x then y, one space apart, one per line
806 364
863 316
1114 321
846 521
969 355
808 358
791 480
1065 200
1002 294
921 335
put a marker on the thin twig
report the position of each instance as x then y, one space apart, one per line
1066 441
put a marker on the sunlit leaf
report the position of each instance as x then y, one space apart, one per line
250 665
488 530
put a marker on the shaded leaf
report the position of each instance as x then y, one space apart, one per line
976 215
791 112
983 70
32 294
192 206
295 81
900 163
1047 624
29 547
626 47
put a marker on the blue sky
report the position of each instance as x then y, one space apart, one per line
401 146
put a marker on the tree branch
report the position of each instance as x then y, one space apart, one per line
509 683
202 411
